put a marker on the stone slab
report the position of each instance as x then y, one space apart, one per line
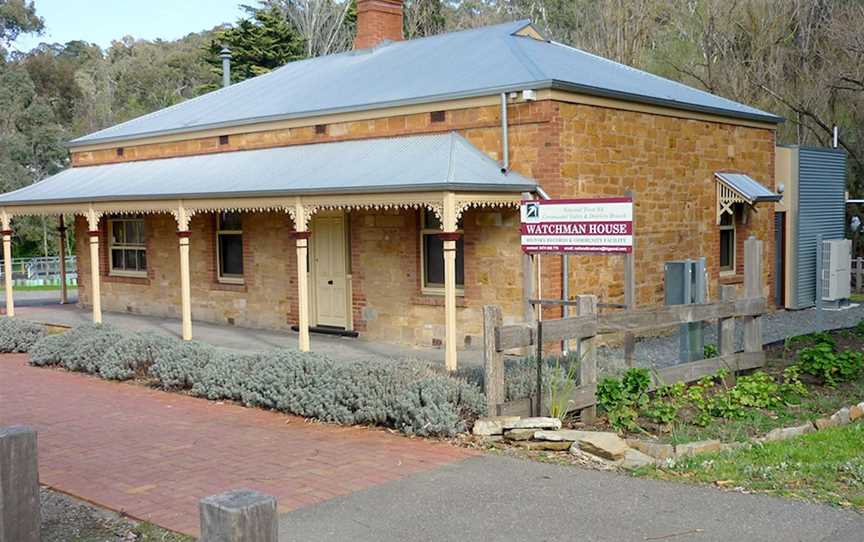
485 427
533 423
654 449
543 445
856 412
634 459
842 416
825 423
783 433
605 445
519 434
698 447
562 435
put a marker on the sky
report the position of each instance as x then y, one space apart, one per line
101 21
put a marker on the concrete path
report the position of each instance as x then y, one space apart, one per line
154 454
239 338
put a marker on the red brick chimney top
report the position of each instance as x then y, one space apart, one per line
378 20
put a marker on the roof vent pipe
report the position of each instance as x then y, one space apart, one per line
225 55
505 144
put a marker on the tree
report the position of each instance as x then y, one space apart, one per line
17 17
263 42
326 26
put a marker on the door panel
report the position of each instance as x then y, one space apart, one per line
328 249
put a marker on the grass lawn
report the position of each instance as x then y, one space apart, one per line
45 288
826 466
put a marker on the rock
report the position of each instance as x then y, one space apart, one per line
543 445
493 438
783 433
519 434
653 449
842 416
856 412
698 447
730 446
568 435
825 423
605 445
533 423
633 459
484 427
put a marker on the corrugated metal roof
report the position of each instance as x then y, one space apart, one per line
412 163
475 62
747 187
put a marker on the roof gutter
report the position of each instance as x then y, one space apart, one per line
490 91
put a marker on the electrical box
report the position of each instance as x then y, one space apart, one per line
685 284
836 269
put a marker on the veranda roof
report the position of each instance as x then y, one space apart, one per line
746 187
477 62
401 164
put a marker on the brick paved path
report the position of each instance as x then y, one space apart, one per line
153 454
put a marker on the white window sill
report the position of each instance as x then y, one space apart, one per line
128 274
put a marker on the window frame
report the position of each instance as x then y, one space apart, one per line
424 232
112 246
731 227
220 276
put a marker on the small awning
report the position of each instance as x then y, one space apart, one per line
746 187
735 188
446 162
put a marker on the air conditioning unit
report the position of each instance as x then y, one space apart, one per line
836 269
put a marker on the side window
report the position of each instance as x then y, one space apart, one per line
126 245
229 247
432 256
727 243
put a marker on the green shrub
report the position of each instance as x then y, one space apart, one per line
623 399
19 335
410 396
179 367
134 355
710 351
832 368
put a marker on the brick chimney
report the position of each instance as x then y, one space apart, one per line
378 20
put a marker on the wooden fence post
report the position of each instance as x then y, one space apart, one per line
859 274
752 289
726 329
239 516
493 360
587 305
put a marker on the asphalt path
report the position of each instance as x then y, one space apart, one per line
505 499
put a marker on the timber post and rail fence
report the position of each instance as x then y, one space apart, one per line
588 325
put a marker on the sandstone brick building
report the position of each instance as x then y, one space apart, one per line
393 173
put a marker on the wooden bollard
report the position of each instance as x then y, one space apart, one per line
19 485
239 516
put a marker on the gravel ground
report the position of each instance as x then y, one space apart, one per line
66 519
659 352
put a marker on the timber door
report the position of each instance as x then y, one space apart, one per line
329 270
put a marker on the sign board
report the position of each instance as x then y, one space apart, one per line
603 225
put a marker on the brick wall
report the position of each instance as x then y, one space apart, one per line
571 150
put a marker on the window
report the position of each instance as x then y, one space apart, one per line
229 247
727 243
119 151
432 256
127 248
437 116
223 139
320 129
